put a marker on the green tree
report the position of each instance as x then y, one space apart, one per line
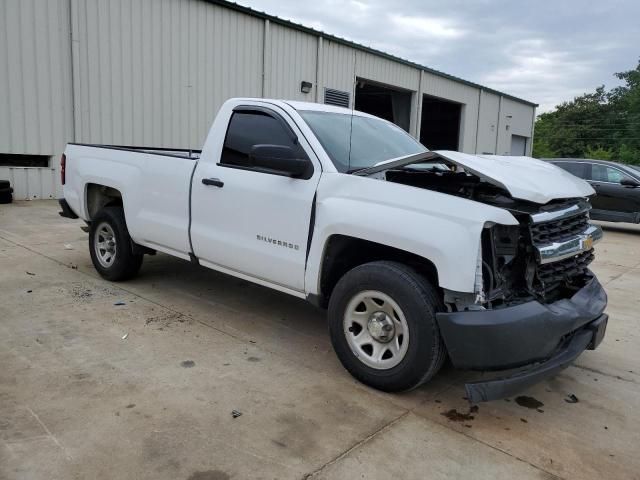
603 124
599 153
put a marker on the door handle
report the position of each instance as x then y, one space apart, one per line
214 182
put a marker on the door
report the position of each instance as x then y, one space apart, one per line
611 195
518 145
254 221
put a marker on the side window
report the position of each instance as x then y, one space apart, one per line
249 128
573 168
602 173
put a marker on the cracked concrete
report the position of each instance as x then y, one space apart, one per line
91 389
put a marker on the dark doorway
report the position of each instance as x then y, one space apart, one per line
440 127
384 102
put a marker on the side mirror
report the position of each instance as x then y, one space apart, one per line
627 182
279 159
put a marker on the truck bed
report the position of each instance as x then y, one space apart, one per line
154 184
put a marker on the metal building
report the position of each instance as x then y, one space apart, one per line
155 72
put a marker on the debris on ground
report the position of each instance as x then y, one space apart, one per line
68 246
29 273
456 416
235 413
529 402
119 303
571 398
188 364
125 336
524 420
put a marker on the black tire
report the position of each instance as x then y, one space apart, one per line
419 302
124 264
4 184
6 196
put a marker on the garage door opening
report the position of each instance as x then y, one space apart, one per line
518 145
384 102
440 126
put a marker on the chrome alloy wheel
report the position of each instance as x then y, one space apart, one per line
376 330
104 243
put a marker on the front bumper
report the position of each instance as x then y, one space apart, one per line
544 338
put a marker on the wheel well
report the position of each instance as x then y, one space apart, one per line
100 196
344 253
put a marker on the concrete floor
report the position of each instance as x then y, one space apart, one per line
90 389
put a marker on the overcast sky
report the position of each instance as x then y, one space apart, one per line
543 51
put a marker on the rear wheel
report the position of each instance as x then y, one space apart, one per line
383 326
111 247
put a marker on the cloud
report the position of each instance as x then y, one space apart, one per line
546 52
426 27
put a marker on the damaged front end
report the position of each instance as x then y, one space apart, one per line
545 258
537 305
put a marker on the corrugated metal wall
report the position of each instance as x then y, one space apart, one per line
290 58
466 95
35 90
154 72
518 120
337 68
488 122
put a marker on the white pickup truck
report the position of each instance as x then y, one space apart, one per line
419 256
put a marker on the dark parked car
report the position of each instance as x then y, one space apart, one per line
617 187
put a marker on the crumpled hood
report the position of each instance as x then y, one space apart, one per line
524 178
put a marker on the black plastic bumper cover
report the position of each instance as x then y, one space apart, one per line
523 334
66 209
542 339
586 338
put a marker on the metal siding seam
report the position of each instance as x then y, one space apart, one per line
5 114
478 119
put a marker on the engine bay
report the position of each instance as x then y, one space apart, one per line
511 272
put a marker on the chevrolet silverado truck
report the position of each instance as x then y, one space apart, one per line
417 255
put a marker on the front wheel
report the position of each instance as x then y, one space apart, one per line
383 326
110 246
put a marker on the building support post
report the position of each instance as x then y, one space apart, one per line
266 58
319 58
498 125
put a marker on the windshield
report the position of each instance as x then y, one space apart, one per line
354 142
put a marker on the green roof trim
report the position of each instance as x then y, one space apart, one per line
349 43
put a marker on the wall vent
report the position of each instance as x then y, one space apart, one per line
336 97
17 160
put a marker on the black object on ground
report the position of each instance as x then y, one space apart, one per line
571 399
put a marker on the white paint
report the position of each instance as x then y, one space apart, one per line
525 178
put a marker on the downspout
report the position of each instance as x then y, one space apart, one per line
478 119
73 74
266 57
498 124
318 68
533 129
